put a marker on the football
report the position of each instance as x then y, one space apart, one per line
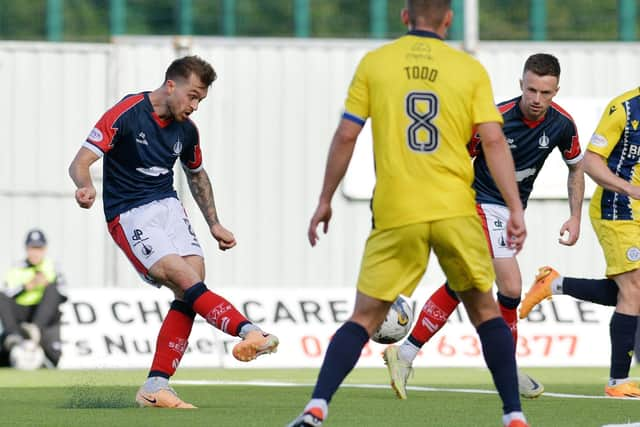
396 325
27 356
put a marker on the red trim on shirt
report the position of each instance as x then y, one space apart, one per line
506 107
562 111
533 123
574 151
106 123
162 123
197 153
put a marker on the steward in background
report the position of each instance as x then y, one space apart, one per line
30 315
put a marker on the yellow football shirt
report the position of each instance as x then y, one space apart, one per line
423 98
617 139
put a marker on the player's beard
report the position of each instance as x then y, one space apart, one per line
173 116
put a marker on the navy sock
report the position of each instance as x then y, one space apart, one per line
600 291
342 355
623 331
194 292
508 302
497 347
451 291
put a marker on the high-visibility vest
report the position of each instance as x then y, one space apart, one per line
18 276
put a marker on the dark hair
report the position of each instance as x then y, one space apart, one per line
542 64
182 68
429 12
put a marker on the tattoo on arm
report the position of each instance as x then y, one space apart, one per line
202 193
575 190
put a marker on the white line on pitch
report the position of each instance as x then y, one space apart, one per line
381 386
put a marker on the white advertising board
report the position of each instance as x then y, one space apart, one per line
117 328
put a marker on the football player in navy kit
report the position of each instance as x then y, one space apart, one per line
534 125
140 139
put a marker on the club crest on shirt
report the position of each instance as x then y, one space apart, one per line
177 147
543 142
634 124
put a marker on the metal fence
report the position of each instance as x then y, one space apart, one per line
265 130
99 20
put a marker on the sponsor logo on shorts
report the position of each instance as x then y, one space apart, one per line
145 248
633 254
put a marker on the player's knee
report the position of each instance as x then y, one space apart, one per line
510 289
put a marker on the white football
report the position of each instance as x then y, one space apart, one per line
27 356
396 325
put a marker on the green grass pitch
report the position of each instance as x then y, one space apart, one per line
260 397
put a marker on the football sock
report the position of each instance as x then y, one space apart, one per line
599 291
216 310
516 415
623 331
318 403
434 315
497 345
614 382
246 328
408 351
557 286
172 339
153 384
342 355
508 308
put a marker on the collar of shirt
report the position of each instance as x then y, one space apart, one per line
424 33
